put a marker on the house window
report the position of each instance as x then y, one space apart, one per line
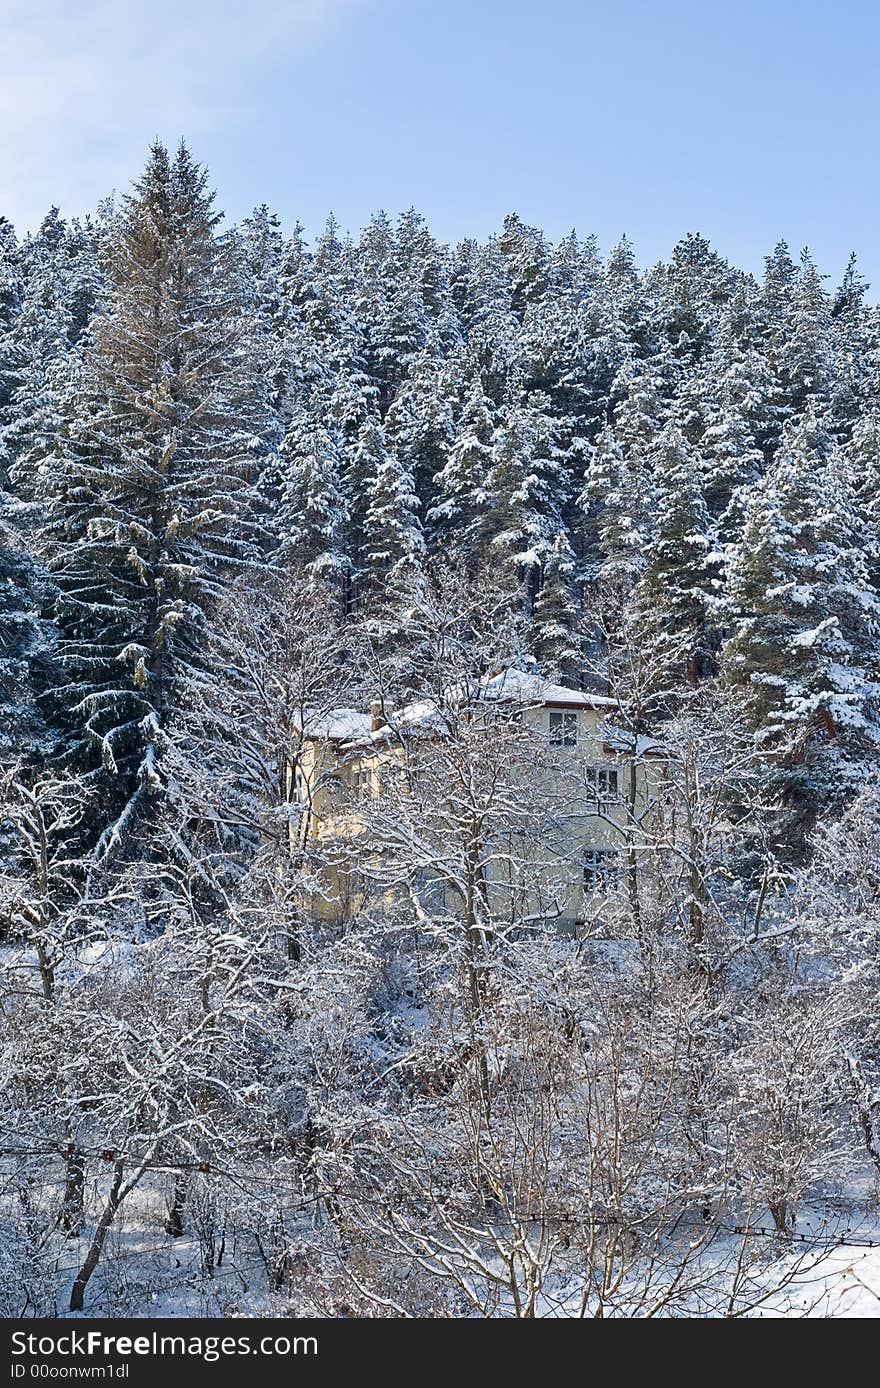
563 729
602 782
600 868
360 780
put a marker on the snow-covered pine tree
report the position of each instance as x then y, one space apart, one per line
393 543
527 261
61 291
675 598
618 503
11 296
419 422
23 636
453 519
802 650
853 342
738 392
313 512
863 452
146 486
555 638
525 492
690 291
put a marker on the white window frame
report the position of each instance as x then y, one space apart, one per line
609 792
599 868
562 728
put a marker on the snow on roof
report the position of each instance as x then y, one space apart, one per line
423 711
339 724
620 740
519 687
423 717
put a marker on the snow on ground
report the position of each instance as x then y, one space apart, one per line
845 1283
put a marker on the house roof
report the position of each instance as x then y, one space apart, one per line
620 740
338 725
520 687
425 718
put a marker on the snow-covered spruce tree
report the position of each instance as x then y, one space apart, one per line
394 544
323 291
24 643
419 422
493 336
620 328
853 344
15 603
313 510
797 338
479 289
640 403
863 452
675 596
388 305
11 296
558 333
803 644
367 455
689 291
268 318
806 360
62 289
556 639
453 519
420 291
23 637
738 395
618 502
146 487
527 262
525 491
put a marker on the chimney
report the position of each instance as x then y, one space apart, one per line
377 720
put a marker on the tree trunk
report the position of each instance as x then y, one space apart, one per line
177 1206
635 901
71 1217
114 1199
477 975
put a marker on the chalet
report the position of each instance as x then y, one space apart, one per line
591 791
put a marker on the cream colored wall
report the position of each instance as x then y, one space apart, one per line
585 824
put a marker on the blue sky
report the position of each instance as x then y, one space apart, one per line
746 121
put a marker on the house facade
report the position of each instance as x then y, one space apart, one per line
553 795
